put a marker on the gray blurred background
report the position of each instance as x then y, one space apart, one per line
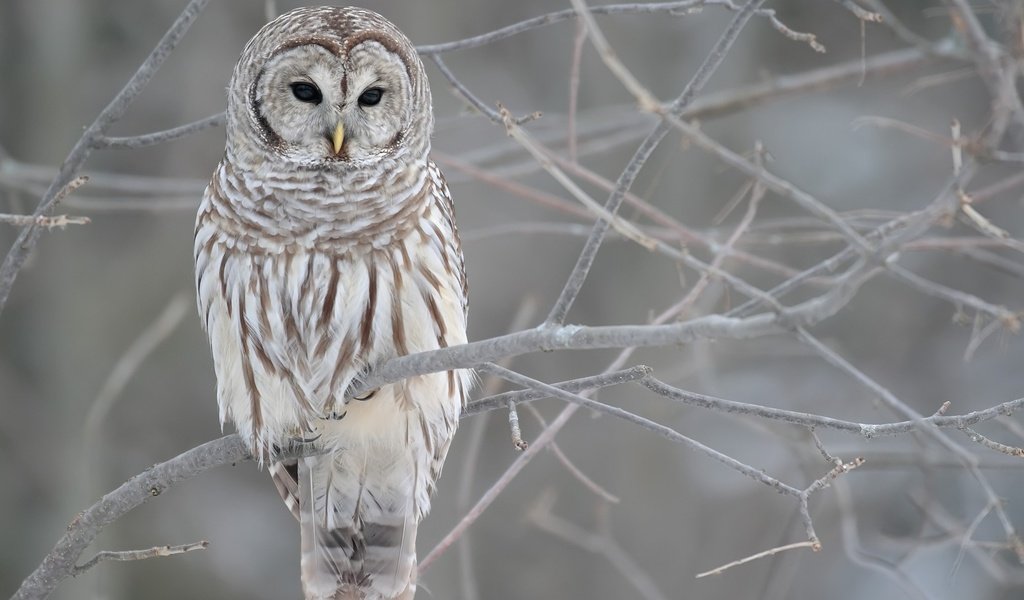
91 291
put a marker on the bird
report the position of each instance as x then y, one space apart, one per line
325 244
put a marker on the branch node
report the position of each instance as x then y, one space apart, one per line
861 13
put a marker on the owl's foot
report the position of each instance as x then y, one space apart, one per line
295 445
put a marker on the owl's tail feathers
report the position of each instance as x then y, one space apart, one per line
285 475
346 554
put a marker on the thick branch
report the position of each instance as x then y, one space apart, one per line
565 337
60 563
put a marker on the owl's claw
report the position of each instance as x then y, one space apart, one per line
367 395
299 441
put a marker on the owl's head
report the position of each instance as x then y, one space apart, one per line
328 87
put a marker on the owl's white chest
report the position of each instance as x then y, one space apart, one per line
290 331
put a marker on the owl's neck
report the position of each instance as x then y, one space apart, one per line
270 210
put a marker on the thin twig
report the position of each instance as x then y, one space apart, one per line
647 101
753 557
1009 319
160 137
148 340
474 443
867 430
570 466
901 408
677 8
513 424
859 556
134 355
60 563
602 544
647 424
574 88
547 436
989 59
992 444
620 225
860 12
28 237
574 386
126 555
586 259
54 222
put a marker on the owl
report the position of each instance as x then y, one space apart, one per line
325 244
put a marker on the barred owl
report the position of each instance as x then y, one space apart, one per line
325 244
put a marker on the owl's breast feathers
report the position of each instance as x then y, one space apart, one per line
300 290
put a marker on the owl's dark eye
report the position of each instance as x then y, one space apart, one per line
307 92
371 97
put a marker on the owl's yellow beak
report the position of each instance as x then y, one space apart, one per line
338 137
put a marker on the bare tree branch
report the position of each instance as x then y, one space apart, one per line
160 137
26 240
852 247
60 563
128 555
582 268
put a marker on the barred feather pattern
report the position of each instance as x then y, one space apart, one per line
302 284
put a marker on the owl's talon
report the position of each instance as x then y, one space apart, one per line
295 442
367 395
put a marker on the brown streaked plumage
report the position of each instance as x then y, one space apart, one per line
326 243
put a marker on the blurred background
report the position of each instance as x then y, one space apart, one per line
104 369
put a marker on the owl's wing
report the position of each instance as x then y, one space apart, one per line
443 200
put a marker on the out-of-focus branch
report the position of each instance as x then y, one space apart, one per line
628 175
52 222
33 178
998 73
602 544
26 240
872 247
677 8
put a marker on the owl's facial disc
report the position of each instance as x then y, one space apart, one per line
314 106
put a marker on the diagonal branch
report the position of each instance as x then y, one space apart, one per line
60 563
28 237
579 273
